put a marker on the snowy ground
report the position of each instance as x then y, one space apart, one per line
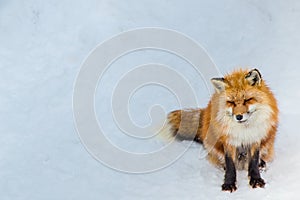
43 44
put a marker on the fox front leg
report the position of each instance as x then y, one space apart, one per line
253 171
230 175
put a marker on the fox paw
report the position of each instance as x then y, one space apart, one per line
229 187
257 182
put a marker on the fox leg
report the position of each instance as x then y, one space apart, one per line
253 170
230 173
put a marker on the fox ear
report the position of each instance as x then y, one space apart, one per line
253 77
219 84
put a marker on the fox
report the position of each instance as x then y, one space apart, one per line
237 128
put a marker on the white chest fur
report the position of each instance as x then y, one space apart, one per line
247 133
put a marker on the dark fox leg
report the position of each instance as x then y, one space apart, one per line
230 175
253 171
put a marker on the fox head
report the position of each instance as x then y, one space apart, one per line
243 93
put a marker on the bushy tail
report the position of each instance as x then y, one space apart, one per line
183 125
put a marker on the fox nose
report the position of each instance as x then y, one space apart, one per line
239 117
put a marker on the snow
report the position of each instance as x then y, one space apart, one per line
43 44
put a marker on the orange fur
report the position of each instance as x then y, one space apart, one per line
238 93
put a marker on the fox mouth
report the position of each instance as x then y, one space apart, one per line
244 119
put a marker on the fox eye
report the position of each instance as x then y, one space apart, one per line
248 100
230 103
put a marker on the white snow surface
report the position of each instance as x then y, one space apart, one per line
42 46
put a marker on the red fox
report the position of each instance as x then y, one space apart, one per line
237 127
